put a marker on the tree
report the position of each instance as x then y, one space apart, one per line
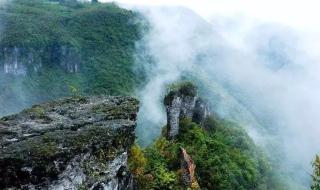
137 161
316 174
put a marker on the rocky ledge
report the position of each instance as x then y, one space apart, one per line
74 143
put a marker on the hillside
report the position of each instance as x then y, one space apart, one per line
222 155
88 142
219 131
50 49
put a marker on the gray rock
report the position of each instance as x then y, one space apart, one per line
74 143
188 171
19 61
183 103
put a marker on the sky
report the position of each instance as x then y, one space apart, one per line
302 14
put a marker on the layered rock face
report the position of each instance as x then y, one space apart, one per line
21 61
183 102
74 143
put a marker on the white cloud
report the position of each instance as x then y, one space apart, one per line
302 14
267 50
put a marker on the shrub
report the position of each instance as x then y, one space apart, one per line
137 160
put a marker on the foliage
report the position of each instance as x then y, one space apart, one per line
149 172
74 91
226 158
137 160
316 174
186 88
99 36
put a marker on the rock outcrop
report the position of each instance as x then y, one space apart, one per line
188 171
19 61
74 143
183 102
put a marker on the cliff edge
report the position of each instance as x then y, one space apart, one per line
73 143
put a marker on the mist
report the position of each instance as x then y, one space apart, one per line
256 62
260 72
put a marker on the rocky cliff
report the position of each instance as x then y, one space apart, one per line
183 102
19 61
74 143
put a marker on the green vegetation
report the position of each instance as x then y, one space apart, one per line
316 174
99 38
44 149
186 88
226 158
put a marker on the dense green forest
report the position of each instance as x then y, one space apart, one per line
50 49
98 38
224 155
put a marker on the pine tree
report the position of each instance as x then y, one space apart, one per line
316 174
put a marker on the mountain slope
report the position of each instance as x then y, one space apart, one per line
50 49
224 155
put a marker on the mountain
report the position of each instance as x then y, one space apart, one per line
219 153
50 50
213 136
88 143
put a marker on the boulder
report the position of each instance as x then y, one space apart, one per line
73 143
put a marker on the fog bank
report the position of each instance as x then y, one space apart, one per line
264 68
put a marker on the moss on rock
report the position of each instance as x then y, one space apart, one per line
41 143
